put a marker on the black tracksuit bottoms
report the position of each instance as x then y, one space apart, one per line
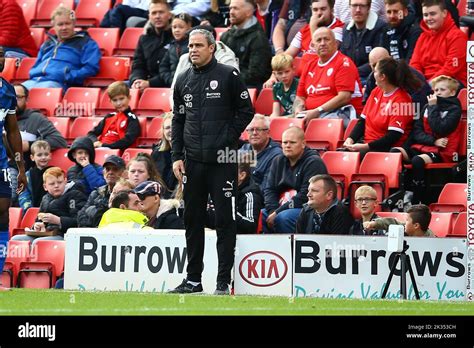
220 181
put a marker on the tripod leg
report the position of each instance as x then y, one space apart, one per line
412 277
403 277
392 270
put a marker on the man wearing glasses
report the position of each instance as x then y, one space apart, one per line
262 144
323 214
361 34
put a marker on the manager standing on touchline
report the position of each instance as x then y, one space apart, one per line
211 109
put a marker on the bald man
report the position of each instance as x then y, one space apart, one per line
287 187
419 96
329 86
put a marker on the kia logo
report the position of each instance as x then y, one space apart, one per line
263 268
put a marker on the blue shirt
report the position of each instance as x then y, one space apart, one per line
7 107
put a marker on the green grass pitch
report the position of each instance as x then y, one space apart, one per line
60 302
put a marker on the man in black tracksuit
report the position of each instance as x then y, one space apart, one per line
211 109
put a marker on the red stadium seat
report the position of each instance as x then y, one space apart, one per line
111 69
341 165
130 153
9 69
279 124
14 219
324 134
460 226
106 38
154 102
461 6
441 224
128 42
400 216
48 265
62 124
39 35
27 221
83 125
89 13
462 96
106 107
17 252
381 170
29 9
453 198
264 103
59 159
79 101
253 95
23 70
45 99
45 8
153 132
102 153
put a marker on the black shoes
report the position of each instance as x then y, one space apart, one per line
186 288
222 289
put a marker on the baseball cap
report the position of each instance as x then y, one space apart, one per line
115 160
147 188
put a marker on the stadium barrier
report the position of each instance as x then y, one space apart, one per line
278 265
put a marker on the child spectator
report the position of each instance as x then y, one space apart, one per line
34 192
435 137
58 208
366 201
162 153
179 27
120 129
85 171
284 91
418 220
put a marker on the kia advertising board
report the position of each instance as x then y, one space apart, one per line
358 267
263 265
153 261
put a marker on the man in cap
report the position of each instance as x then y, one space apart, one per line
162 213
97 203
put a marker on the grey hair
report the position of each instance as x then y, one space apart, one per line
207 34
259 117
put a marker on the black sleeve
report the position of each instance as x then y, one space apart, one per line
166 74
97 130
247 220
242 105
301 222
139 66
444 126
174 222
358 130
342 221
133 131
270 193
70 219
385 142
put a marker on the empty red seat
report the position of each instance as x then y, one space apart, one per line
441 224
14 219
264 102
82 125
400 216
106 38
102 153
47 266
279 124
23 71
79 101
453 198
111 69
130 153
154 102
27 220
44 9
9 69
17 252
128 42
324 134
460 226
29 9
62 124
89 13
45 99
341 165
39 35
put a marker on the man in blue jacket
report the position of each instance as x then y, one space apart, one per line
67 58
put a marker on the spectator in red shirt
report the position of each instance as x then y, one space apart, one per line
329 86
119 129
441 47
388 114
